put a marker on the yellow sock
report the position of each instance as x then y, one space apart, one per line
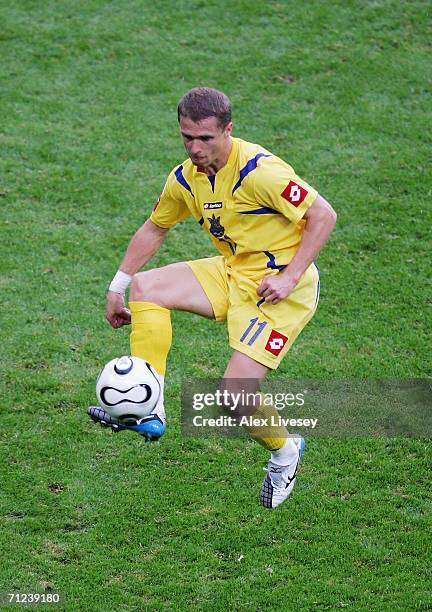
151 334
271 436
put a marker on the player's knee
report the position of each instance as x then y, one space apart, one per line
144 286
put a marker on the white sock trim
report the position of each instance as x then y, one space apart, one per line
286 454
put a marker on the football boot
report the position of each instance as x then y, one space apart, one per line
151 427
280 479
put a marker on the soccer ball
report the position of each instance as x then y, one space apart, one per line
128 389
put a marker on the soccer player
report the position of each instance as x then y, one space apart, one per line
268 226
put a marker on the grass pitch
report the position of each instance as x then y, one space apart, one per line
88 133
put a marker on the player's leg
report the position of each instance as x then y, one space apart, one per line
155 293
245 374
174 287
198 287
261 334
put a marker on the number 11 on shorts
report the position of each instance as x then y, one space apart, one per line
250 330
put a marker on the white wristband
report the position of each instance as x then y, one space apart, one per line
120 282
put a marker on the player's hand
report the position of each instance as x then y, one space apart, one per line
276 288
115 311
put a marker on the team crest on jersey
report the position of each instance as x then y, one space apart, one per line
294 193
216 228
218 231
212 205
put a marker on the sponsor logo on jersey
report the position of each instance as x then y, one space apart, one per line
294 193
275 343
212 205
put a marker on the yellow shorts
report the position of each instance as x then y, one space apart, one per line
262 330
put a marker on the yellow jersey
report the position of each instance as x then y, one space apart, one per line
252 208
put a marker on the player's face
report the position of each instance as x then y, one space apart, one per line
207 144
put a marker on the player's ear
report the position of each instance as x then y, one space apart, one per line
228 128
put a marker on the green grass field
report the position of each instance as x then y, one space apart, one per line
88 132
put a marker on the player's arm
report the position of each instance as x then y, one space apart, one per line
170 209
320 219
144 244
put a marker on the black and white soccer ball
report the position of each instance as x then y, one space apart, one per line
128 389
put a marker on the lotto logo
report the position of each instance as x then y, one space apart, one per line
294 193
275 342
157 202
212 205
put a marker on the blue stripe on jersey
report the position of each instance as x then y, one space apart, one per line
249 167
272 263
260 211
181 179
201 221
212 181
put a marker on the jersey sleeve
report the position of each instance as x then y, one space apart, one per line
170 207
277 186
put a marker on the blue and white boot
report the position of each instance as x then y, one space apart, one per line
151 427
